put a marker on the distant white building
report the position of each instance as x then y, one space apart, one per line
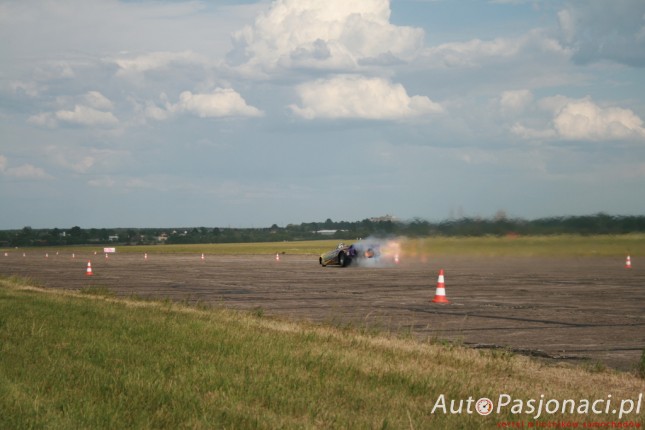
326 232
383 218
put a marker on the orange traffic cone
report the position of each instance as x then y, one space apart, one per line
440 294
89 269
628 263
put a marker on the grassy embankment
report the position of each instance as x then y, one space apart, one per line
70 360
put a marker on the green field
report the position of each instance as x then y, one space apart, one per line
494 246
89 360
528 246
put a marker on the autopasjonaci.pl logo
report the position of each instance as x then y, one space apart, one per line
536 408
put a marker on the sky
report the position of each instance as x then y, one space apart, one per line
143 113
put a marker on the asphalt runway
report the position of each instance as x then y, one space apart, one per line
571 309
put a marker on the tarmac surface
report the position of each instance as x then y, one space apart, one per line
584 309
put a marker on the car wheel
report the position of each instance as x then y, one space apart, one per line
320 261
342 259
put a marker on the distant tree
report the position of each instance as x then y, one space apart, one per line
130 236
499 224
24 237
75 231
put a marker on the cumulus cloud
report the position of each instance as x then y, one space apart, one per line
93 110
477 52
74 161
221 102
471 53
360 97
25 171
86 116
583 119
43 119
532 133
515 101
85 159
152 111
596 30
97 100
154 61
323 34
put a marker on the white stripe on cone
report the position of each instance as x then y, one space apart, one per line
440 294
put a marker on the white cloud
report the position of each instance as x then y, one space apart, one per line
154 61
85 159
583 119
567 25
78 164
97 100
515 101
532 134
323 34
471 53
157 113
221 102
43 119
86 116
476 53
360 97
92 110
25 171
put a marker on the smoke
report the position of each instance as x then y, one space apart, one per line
377 252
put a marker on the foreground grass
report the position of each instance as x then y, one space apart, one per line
92 361
492 246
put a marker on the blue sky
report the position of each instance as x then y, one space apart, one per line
248 114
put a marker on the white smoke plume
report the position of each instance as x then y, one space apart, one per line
377 252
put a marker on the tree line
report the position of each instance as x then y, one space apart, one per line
499 225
